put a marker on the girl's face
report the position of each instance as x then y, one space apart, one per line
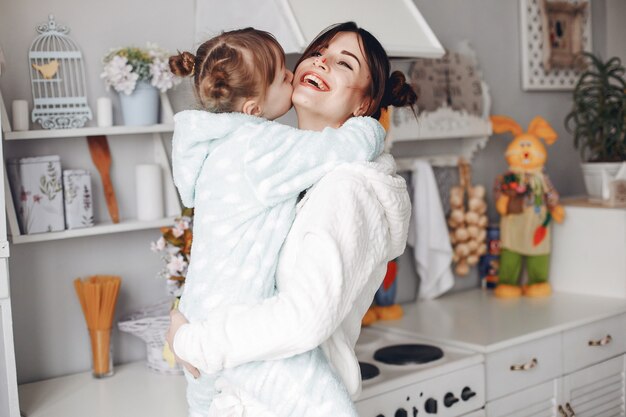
278 95
334 81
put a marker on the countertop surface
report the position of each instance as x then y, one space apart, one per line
478 321
132 391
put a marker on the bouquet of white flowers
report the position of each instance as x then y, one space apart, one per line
124 67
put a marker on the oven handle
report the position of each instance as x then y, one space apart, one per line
569 408
601 342
525 367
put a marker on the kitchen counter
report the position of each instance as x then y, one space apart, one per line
478 321
133 391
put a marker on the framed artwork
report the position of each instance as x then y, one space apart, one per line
454 80
552 34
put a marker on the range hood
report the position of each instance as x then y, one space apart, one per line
397 24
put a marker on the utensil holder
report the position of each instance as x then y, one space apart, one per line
102 358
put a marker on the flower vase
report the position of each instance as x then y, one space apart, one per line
141 107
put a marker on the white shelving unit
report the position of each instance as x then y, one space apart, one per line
172 203
89 131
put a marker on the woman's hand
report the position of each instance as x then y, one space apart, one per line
176 320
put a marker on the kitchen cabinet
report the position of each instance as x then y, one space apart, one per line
537 401
540 354
594 391
561 359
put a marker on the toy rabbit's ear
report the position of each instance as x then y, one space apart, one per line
503 124
542 129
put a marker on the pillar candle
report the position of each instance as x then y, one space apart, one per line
20 115
105 112
149 183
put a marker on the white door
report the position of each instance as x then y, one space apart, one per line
538 401
596 391
9 404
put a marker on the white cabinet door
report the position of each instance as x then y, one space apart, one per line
596 391
538 401
9 404
522 366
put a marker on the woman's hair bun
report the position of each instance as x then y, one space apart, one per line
183 64
398 92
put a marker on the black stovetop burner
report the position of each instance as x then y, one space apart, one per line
408 354
368 371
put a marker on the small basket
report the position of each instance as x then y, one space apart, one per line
150 324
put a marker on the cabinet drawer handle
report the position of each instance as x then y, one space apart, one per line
525 367
601 342
569 408
562 412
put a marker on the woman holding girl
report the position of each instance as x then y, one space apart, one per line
348 226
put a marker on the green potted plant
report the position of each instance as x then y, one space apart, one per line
598 120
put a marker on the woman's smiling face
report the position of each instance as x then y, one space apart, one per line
334 81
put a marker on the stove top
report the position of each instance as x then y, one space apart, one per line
368 371
408 354
403 373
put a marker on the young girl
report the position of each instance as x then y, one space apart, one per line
243 174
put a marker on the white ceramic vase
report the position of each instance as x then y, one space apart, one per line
592 174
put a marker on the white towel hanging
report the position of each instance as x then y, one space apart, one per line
428 234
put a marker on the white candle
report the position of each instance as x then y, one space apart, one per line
20 115
149 183
105 112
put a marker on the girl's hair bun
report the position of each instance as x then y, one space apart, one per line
183 64
398 92
216 87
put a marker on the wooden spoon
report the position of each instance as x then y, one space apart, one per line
101 157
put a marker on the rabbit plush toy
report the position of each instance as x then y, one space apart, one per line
527 202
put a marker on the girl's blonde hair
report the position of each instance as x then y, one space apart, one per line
233 65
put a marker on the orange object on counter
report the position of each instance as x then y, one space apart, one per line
97 296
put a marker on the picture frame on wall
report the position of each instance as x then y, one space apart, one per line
552 34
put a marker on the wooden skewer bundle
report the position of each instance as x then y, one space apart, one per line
98 295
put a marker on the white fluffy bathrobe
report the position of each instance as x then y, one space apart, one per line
348 226
243 175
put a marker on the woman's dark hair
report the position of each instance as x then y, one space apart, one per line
236 64
385 90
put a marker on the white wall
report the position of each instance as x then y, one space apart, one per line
493 27
50 337
616 29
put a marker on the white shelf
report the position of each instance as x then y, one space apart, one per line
99 229
88 131
132 391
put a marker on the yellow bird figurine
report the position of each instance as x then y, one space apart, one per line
48 70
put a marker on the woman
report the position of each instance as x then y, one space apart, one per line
348 227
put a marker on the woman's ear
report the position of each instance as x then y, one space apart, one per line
363 107
251 107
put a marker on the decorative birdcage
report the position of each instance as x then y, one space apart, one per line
57 75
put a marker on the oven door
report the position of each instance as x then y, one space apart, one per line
479 413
